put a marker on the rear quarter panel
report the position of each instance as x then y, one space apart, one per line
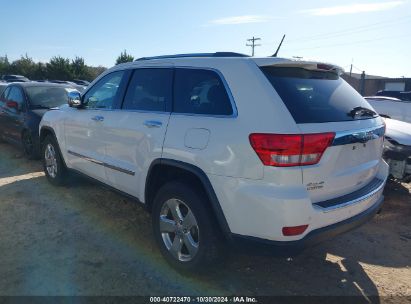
228 151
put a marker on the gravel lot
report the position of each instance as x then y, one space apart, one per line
84 239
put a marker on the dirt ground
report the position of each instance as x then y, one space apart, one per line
84 239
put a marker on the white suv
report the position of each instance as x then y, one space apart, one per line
225 148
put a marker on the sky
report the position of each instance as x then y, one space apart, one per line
373 36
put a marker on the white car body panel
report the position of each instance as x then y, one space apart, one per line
132 146
84 139
399 131
343 168
269 207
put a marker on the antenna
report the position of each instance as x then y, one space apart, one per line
276 52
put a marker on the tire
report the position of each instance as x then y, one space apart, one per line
203 239
29 147
53 165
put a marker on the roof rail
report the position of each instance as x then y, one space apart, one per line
217 54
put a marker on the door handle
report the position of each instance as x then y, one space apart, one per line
98 118
153 124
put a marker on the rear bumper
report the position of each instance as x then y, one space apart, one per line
257 210
290 248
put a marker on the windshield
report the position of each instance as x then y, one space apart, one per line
317 96
47 96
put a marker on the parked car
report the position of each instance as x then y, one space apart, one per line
396 94
61 81
78 87
14 78
21 107
397 149
81 82
390 107
267 152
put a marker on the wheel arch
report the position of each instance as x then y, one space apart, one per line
163 170
44 132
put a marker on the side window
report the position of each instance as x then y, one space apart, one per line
3 97
149 90
16 96
199 91
104 93
5 93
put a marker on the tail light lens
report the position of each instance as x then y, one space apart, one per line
287 150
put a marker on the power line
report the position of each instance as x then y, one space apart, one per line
253 45
354 42
352 30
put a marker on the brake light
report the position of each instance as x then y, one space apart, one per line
287 150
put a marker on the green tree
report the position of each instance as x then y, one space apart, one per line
79 68
124 57
59 68
4 65
94 72
24 66
40 72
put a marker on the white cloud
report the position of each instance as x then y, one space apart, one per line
353 8
240 20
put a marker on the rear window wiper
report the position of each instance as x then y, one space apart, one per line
361 111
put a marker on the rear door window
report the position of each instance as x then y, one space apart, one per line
199 91
16 95
149 90
317 96
3 98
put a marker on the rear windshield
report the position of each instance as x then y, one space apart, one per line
317 96
47 96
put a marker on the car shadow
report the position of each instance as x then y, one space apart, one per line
312 274
13 162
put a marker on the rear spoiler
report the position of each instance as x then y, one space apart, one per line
308 65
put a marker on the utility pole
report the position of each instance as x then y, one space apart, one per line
352 60
362 83
253 45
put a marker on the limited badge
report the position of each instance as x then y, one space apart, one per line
315 186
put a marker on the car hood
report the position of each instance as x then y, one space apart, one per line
399 131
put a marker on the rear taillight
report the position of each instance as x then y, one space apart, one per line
287 150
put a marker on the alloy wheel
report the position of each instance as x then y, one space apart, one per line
50 160
179 230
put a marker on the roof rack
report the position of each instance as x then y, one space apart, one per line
217 54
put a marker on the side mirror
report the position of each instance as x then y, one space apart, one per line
74 99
